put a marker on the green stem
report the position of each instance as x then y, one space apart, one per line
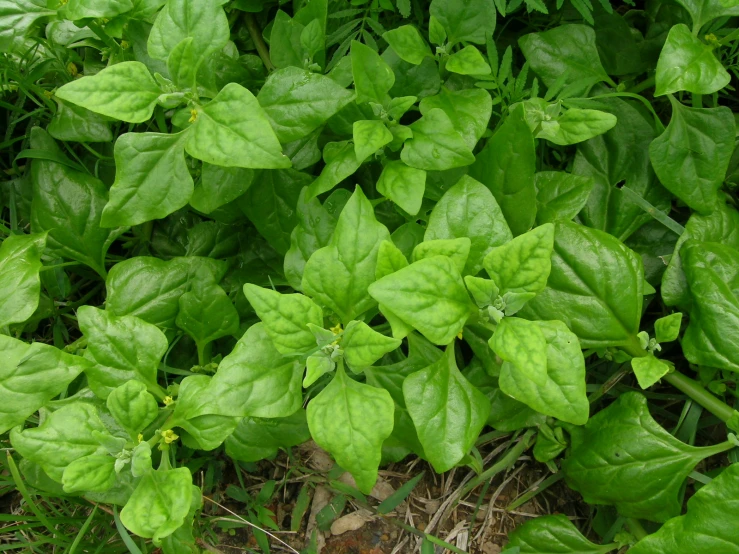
644 85
647 104
204 353
695 391
544 485
636 528
659 215
256 35
102 35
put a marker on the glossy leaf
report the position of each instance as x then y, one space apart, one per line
94 473
219 186
469 111
403 184
560 196
552 533
523 344
436 144
465 20
206 312
408 44
468 61
132 407
20 286
74 123
649 370
576 126
204 21
373 78
457 250
369 137
363 346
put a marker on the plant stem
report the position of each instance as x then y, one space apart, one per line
644 85
256 35
695 391
636 528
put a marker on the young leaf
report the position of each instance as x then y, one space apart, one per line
338 275
560 196
408 44
428 295
403 184
80 9
447 411
373 77
468 61
506 166
206 312
132 407
369 137
686 63
94 473
297 101
469 111
667 329
554 533
286 318
436 144
692 155
31 375
20 285
159 504
363 346
285 48
341 162
152 178
124 91
522 343
621 442
389 259
649 370
351 420
457 250
706 527
465 20
576 126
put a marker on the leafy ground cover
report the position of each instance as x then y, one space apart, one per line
255 256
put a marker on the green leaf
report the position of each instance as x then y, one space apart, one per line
468 61
126 347
465 20
338 275
712 336
219 186
159 504
560 196
20 285
565 50
468 209
457 250
703 11
576 126
369 137
363 346
31 375
623 441
707 525
522 343
124 91
428 295
94 473
408 44
285 48
255 380
595 287
389 259
649 370
297 101
686 63
17 17
80 9
351 420
132 407
447 411
341 162
403 184
506 166
692 155
74 123
152 178
667 329
64 436
286 318
523 264
203 20
373 77
552 533
469 111
206 312
436 144
255 439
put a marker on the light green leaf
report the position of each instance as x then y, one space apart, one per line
141 459
523 264
623 441
506 166
465 20
408 44
297 101
667 329
552 533
447 411
80 9
468 61
373 77
560 196
522 343
403 184
576 126
285 48
468 209
255 380
649 370
457 250
94 473
219 186
707 525
341 162
692 155
132 407
428 295
16 17
363 346
703 11
369 137
469 111
317 366
159 504
30 376
389 259
124 91
686 63
436 144
483 291
351 420
206 312
286 318
203 20
64 436
152 178
338 275
183 64
20 285
255 438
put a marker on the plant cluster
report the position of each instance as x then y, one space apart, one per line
233 226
